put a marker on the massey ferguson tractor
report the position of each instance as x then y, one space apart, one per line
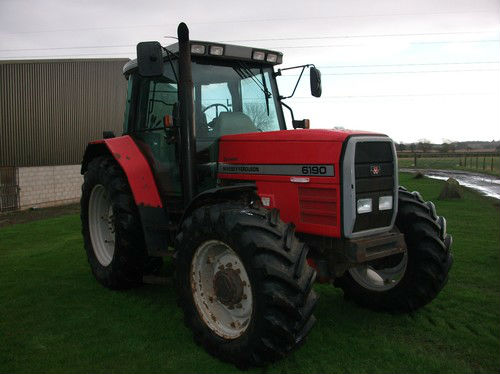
252 212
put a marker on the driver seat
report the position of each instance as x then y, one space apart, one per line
230 123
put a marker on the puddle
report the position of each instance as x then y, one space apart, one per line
485 184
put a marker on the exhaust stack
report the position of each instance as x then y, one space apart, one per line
186 114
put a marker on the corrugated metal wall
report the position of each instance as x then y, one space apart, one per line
50 110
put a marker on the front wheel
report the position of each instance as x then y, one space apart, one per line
244 283
407 281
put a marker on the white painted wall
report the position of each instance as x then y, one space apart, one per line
44 186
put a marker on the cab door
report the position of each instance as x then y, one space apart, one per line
157 140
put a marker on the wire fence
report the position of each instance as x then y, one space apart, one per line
9 189
486 162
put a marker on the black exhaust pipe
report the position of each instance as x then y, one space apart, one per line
186 114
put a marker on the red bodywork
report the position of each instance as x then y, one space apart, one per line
136 168
312 203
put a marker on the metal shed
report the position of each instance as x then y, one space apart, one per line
50 110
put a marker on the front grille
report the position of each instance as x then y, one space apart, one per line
318 205
374 177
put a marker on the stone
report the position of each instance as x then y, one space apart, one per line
451 190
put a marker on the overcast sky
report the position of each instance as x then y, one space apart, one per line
412 69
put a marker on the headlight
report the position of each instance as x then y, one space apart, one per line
385 203
216 50
258 55
364 206
271 57
198 49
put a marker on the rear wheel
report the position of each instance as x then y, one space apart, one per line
244 283
408 281
111 227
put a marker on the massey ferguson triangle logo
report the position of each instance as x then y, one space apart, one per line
374 169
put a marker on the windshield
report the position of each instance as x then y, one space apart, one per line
233 98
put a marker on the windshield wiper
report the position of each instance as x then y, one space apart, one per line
245 72
267 94
170 56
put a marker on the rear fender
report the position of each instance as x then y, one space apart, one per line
153 217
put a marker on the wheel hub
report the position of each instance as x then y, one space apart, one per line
381 275
228 286
221 288
101 225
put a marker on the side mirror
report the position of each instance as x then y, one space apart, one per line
315 76
150 59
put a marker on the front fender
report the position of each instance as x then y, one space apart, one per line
219 194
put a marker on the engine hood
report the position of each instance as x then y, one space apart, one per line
313 146
297 135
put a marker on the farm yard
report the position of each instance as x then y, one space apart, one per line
56 318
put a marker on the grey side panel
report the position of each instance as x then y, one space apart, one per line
349 187
323 170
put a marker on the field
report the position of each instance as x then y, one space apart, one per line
55 318
484 165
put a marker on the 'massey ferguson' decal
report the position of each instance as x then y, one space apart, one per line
312 170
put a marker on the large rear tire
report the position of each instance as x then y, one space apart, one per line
244 283
405 282
111 228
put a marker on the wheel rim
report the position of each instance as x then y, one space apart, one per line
376 278
221 289
101 225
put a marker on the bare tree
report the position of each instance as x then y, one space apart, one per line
258 114
447 146
424 145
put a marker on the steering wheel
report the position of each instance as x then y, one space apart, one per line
216 105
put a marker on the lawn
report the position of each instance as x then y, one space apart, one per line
54 317
454 163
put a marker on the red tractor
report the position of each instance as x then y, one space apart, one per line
252 212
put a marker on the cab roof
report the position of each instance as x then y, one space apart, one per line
229 52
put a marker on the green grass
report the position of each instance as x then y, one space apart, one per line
453 163
54 317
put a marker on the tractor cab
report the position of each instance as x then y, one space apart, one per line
234 92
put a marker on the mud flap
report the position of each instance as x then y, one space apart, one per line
156 229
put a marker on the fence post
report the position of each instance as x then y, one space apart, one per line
491 163
414 160
477 162
465 161
484 163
